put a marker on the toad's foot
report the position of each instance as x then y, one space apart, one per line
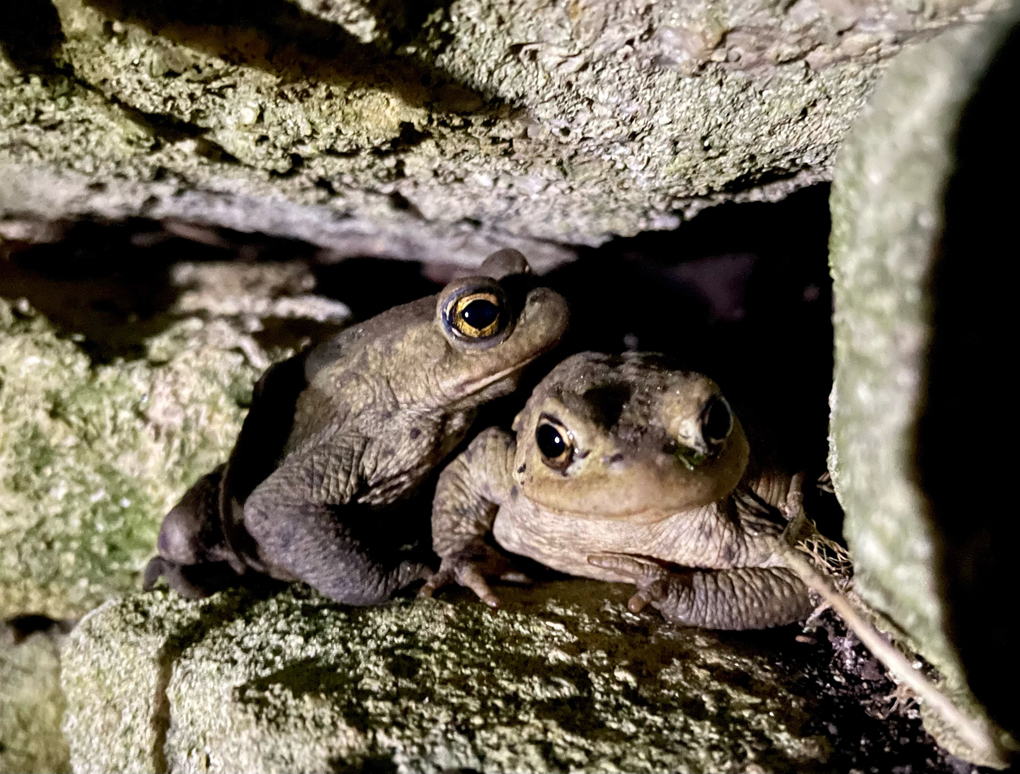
650 578
742 598
191 581
470 567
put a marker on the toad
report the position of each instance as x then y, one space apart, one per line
339 435
625 468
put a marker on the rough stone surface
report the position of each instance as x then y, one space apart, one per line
888 241
434 131
93 453
31 705
886 205
560 679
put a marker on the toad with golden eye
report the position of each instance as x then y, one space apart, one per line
337 436
625 468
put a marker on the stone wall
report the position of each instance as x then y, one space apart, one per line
439 130
922 319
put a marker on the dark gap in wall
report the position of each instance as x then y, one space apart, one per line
108 286
372 285
22 627
30 35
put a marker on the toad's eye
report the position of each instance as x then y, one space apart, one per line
716 421
554 443
478 315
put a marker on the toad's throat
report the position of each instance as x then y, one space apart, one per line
640 515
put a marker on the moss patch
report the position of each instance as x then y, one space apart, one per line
478 124
31 705
562 678
92 456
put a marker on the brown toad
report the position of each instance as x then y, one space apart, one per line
337 435
625 468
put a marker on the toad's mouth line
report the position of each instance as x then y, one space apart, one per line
649 515
471 388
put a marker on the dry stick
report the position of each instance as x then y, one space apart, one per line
971 731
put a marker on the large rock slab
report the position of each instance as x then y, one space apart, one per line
94 450
31 704
437 131
562 678
920 323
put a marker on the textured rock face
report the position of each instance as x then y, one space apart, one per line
31 705
919 327
560 679
433 131
92 453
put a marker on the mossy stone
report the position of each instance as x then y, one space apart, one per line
919 330
31 705
443 131
562 678
93 454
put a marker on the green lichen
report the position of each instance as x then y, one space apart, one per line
888 219
564 123
92 456
31 705
560 679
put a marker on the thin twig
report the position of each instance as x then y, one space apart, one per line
971 731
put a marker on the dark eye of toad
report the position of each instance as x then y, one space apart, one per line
555 445
480 313
717 421
550 442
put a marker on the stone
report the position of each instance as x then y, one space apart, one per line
919 331
564 677
434 132
96 447
31 704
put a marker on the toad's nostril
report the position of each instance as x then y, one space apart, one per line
614 461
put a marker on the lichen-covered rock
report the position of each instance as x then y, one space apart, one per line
919 325
434 131
93 456
31 705
93 453
560 679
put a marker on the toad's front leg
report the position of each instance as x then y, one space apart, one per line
306 528
468 495
740 598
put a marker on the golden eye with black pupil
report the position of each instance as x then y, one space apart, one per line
716 421
555 444
477 315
